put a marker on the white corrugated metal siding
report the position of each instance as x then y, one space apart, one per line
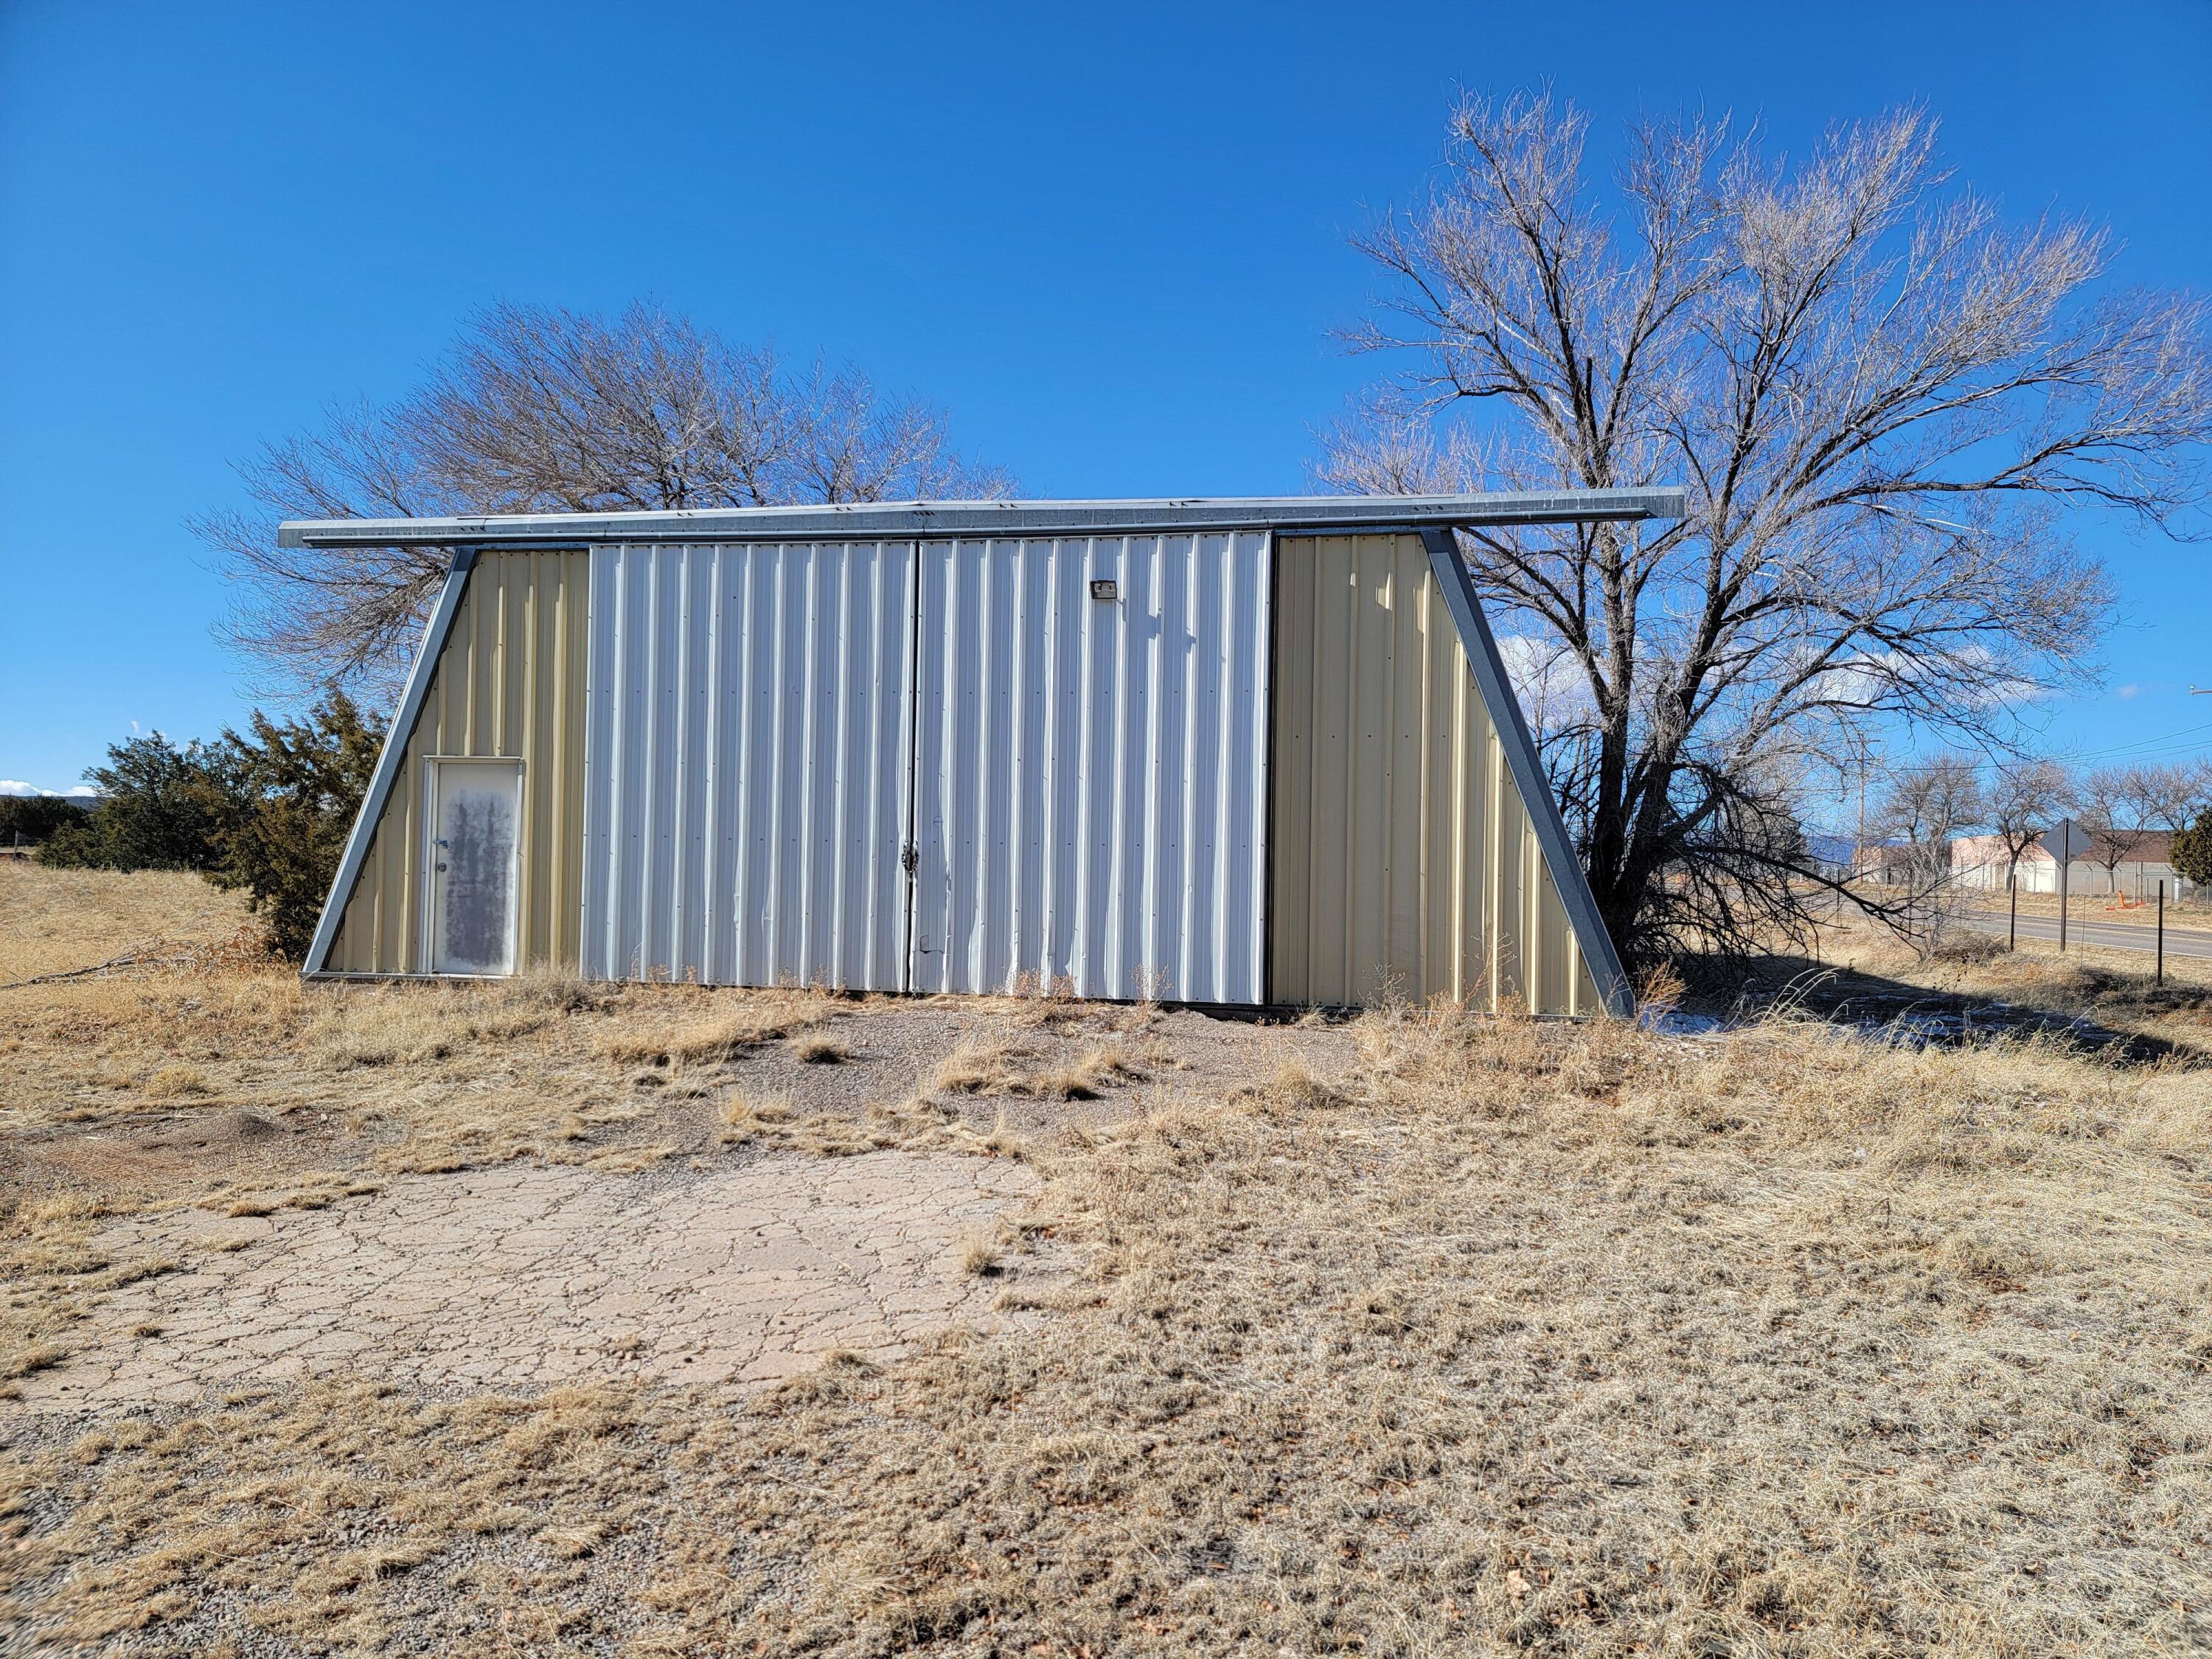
747 764
1091 775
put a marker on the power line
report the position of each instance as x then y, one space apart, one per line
2145 743
2141 749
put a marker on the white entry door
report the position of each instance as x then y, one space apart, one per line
475 820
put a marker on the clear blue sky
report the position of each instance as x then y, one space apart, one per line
1110 240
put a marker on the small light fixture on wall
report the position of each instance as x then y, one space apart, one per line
1104 588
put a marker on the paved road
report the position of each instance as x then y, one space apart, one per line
2110 935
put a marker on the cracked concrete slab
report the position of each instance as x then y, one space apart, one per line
522 1277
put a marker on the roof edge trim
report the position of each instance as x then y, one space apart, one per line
872 521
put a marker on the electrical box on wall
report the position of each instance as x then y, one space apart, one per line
1104 588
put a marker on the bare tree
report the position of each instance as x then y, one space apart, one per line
2171 797
2026 796
1926 806
2115 811
1877 397
537 410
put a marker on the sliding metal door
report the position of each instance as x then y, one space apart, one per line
1090 808
747 750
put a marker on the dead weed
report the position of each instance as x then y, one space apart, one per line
988 1068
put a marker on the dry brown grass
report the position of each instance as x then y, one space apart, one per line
211 1073
425 1076
988 1068
2097 905
1293 1081
745 1119
817 1049
722 1034
1505 1336
1524 1336
2114 988
982 1254
53 920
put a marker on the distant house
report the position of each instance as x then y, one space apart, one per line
1980 862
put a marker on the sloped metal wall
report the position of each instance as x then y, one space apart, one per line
1091 798
509 683
1405 863
748 762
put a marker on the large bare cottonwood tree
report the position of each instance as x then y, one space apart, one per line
1881 398
539 409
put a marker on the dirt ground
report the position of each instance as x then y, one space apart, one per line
526 1276
1418 1335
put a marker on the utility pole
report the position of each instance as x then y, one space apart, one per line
1858 846
1866 765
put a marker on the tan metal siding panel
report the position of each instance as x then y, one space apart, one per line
508 685
1290 834
1456 731
1406 863
1509 898
1366 728
1554 984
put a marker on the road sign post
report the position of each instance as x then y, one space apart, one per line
2065 844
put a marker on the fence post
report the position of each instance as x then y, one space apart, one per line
2012 932
2162 934
2065 863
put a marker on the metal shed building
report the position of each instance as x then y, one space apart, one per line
1241 752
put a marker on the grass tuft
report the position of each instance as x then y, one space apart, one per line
178 1083
817 1049
981 1254
997 1068
737 1021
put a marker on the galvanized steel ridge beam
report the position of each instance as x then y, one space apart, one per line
939 520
